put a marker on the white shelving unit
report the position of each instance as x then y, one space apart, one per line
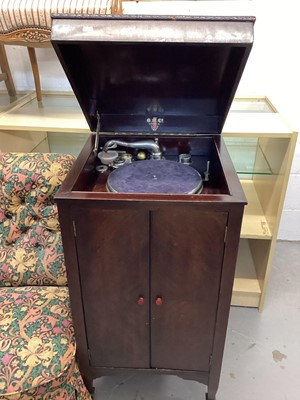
262 147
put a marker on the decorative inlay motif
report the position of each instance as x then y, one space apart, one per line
30 35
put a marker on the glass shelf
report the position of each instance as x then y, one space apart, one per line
252 105
247 156
71 144
7 102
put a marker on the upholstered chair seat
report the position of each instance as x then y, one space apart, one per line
37 345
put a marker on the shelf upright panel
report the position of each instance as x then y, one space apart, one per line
262 146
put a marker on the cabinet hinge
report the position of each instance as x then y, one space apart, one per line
74 228
225 234
210 360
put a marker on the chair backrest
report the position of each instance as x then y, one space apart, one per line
29 23
31 251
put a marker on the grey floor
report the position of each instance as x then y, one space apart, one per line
262 353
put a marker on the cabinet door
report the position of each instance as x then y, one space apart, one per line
113 258
187 249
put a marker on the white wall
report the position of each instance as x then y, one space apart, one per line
273 68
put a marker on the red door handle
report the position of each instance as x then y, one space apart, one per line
141 301
159 301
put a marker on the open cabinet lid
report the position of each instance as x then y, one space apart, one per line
153 74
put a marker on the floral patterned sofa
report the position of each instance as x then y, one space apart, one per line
37 345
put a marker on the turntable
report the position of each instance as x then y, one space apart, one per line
155 176
151 212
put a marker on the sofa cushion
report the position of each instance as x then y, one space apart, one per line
31 251
68 386
37 345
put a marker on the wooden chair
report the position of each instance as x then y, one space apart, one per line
28 23
5 74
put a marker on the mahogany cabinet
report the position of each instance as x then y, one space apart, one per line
150 276
151 267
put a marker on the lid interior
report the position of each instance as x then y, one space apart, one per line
149 84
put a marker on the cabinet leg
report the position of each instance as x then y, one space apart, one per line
211 395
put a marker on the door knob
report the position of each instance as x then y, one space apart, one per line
159 301
141 301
